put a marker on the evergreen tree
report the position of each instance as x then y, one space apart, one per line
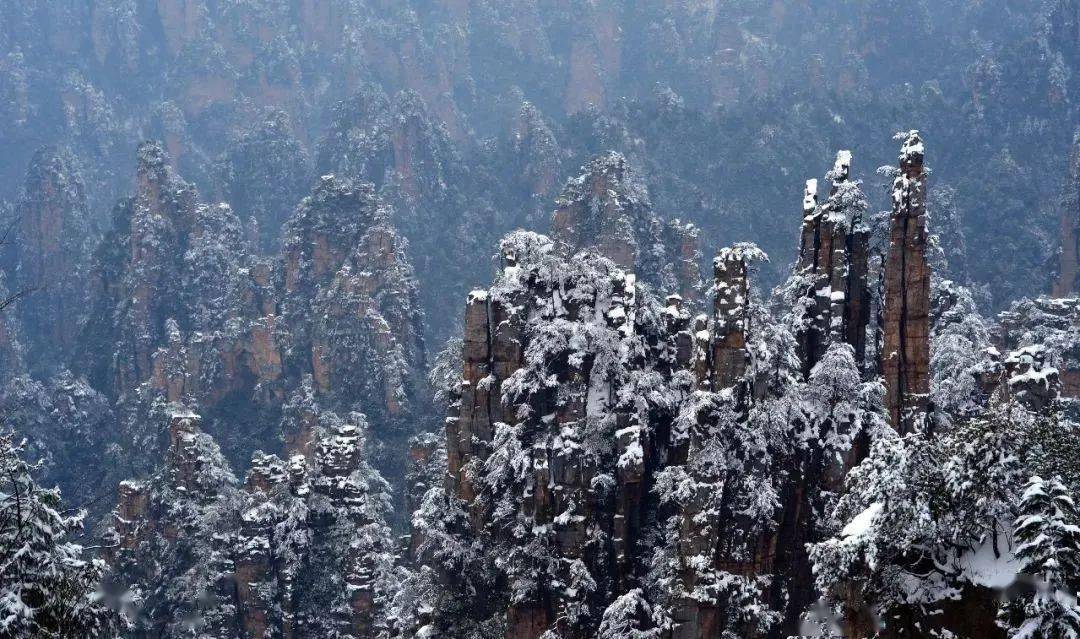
627 617
1048 547
47 587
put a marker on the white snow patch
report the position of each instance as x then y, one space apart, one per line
810 195
983 567
862 522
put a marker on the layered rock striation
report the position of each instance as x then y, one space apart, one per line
905 353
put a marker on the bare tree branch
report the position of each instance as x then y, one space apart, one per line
16 296
9 228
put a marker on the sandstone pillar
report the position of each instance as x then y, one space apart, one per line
905 355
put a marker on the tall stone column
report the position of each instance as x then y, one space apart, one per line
833 259
729 355
905 355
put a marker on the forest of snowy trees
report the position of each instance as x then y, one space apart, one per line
507 319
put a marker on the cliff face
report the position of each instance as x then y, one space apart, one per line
1068 271
537 152
49 253
615 464
728 352
307 526
70 428
829 314
398 144
554 358
905 354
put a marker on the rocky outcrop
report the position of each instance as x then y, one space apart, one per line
321 234
367 341
905 354
728 356
350 302
70 430
602 208
394 144
1030 379
262 582
399 146
168 546
1051 326
833 263
183 312
537 151
607 210
193 315
723 557
518 449
49 254
301 550
426 471
138 277
730 488
262 175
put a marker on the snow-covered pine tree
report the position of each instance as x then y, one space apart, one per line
628 617
963 362
1048 548
924 541
48 588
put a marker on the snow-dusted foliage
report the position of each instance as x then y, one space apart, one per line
1047 533
49 586
926 522
303 548
445 373
627 617
170 555
582 377
66 426
263 173
962 358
